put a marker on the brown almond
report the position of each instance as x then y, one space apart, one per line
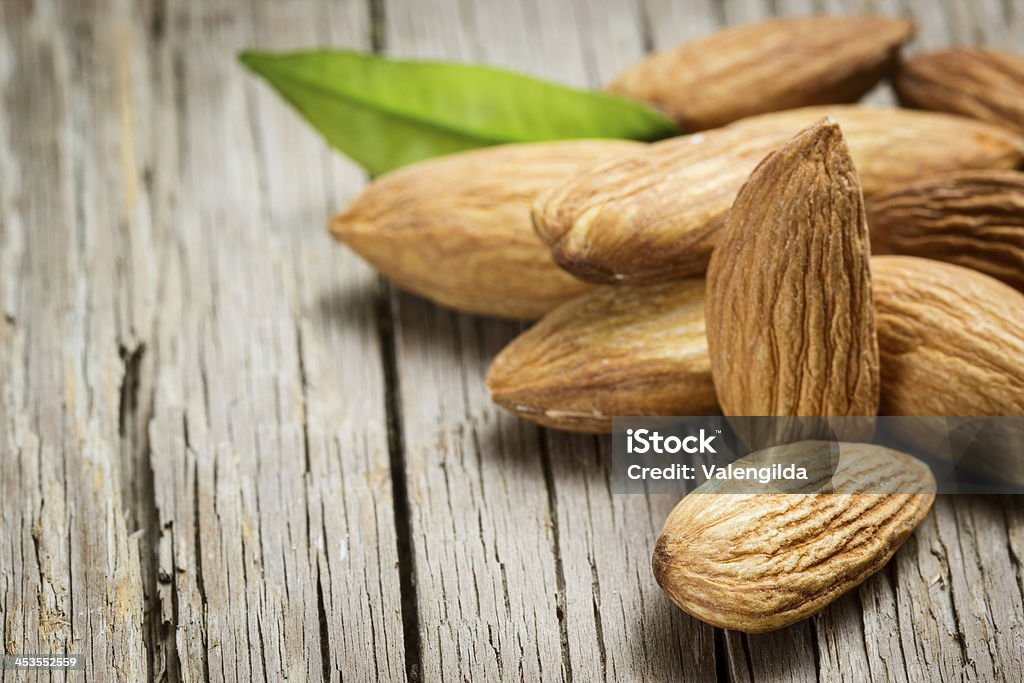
655 214
951 339
457 229
760 562
932 359
790 322
983 84
952 344
892 147
614 351
768 66
972 218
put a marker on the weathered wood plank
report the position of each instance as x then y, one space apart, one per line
620 624
671 23
196 480
745 11
348 482
71 576
269 441
485 563
932 26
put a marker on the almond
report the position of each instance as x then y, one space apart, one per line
790 322
655 214
769 66
646 345
972 218
759 562
951 339
982 84
615 351
892 147
640 350
457 230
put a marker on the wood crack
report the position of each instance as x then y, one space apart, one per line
721 658
378 26
138 484
815 646
958 634
384 311
595 588
198 550
325 634
563 628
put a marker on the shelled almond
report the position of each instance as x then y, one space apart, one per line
756 562
457 230
984 84
656 214
790 322
972 218
951 339
615 351
767 66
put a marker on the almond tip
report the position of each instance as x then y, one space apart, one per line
341 227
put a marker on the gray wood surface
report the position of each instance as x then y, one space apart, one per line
231 452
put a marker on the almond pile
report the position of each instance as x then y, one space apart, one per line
731 270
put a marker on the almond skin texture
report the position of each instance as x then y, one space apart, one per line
769 66
951 339
655 214
615 351
760 562
456 230
982 84
974 219
892 147
790 322
952 343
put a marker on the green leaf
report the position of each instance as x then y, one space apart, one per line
386 113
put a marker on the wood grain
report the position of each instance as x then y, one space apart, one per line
269 426
229 452
181 398
71 578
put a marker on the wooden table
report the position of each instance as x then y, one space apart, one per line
231 452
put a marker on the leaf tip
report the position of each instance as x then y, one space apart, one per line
251 59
